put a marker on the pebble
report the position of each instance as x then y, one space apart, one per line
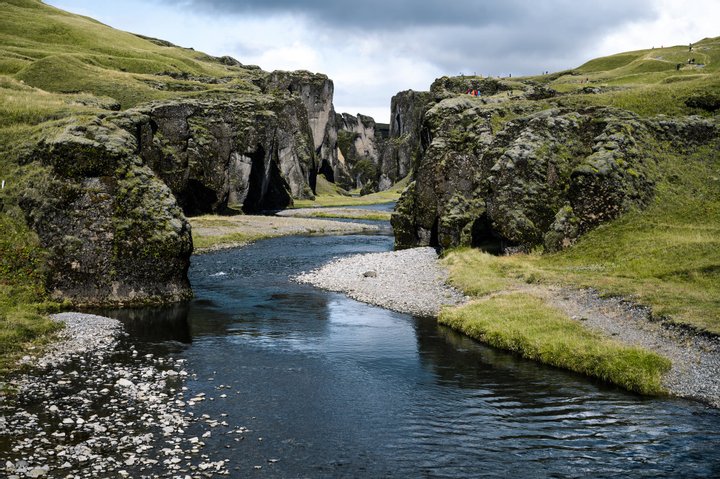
81 425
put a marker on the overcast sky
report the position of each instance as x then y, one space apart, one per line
374 48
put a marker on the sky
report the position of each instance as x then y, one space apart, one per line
373 49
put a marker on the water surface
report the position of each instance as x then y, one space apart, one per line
329 387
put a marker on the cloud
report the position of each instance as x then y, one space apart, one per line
459 36
373 15
375 48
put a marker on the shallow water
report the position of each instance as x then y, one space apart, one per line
330 387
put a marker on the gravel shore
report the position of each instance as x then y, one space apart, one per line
90 409
408 281
695 372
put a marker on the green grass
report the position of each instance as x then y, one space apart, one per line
232 237
59 52
23 320
329 195
201 242
525 325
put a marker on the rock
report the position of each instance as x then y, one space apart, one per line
124 383
316 92
360 148
37 472
370 274
542 179
254 152
109 225
402 150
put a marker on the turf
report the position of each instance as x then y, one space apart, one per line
523 324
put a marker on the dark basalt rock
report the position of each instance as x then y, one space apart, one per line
253 152
402 150
113 231
543 178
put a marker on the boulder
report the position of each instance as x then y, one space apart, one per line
113 231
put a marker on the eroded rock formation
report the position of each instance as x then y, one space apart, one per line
510 177
113 231
254 152
316 92
360 147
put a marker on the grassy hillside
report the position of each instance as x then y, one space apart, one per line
54 66
648 82
59 52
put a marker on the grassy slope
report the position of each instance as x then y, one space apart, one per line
645 81
666 256
329 194
55 65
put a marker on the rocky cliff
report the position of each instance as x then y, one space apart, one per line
402 150
316 92
509 175
360 147
113 230
252 151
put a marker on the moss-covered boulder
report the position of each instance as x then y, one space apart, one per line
542 178
113 230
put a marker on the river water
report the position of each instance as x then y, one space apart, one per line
329 387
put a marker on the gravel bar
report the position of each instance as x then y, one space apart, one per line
408 281
93 406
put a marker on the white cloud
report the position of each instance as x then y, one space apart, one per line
678 23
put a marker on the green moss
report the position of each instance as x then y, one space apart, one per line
23 322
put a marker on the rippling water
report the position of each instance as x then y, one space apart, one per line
330 387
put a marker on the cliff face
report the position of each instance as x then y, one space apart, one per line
360 148
543 178
402 150
255 151
113 231
316 93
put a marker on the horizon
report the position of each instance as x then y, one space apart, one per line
373 53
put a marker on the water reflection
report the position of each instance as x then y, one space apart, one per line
167 323
336 388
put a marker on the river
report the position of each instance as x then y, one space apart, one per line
329 387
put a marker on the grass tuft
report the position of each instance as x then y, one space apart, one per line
525 325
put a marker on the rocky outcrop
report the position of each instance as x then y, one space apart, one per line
113 231
253 151
316 92
402 149
360 148
108 196
543 178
